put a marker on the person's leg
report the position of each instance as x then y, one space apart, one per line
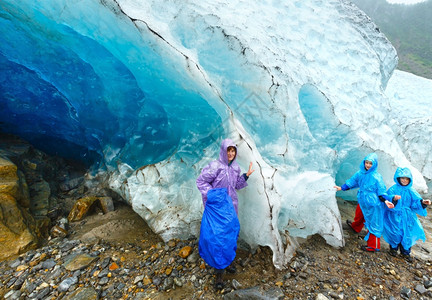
373 243
219 278
358 223
406 253
393 250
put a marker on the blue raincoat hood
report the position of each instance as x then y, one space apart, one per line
403 172
223 156
370 157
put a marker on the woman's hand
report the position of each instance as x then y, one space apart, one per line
389 204
426 202
250 171
397 197
338 188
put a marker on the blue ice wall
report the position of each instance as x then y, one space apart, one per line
78 94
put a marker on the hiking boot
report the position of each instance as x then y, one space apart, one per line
393 252
349 223
231 269
219 282
407 257
368 249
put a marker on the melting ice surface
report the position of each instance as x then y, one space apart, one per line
146 90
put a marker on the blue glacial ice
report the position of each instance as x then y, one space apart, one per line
144 91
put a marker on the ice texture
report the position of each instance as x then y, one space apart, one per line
145 91
410 99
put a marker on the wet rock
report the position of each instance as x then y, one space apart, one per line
185 251
81 208
70 184
405 292
428 283
66 284
255 293
420 289
68 245
83 293
39 194
236 285
321 297
167 283
57 231
156 280
78 261
104 281
106 204
138 279
178 281
15 263
105 262
48 264
43 293
193 257
12 295
15 234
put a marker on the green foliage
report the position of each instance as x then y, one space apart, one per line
408 28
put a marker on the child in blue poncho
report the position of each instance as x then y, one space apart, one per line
370 196
402 228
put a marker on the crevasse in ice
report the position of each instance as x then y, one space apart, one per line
146 90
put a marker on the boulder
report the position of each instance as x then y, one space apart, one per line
17 226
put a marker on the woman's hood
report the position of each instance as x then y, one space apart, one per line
370 157
223 156
403 172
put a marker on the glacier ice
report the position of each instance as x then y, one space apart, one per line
146 90
410 100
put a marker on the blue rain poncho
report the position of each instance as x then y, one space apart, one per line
219 230
371 186
401 225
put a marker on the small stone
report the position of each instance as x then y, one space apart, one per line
178 282
185 251
193 257
147 281
66 284
87 293
48 264
321 297
418 273
156 280
106 204
21 268
80 208
420 289
168 271
58 231
113 266
76 262
138 279
405 292
236 285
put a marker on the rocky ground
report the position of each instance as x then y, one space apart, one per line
116 256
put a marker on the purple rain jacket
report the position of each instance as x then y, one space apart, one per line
218 174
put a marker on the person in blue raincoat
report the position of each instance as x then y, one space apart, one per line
220 179
402 228
370 196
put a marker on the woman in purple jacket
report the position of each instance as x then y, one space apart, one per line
223 173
